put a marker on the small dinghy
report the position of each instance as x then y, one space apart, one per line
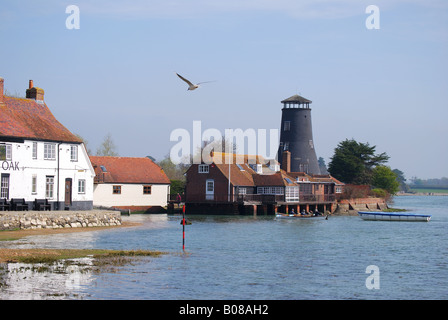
390 216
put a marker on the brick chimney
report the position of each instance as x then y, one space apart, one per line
286 161
34 93
1 91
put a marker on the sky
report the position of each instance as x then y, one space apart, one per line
116 74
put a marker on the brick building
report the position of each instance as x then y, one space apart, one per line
250 184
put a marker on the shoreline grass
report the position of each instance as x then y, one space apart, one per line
54 255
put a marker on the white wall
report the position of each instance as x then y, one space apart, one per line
22 167
131 195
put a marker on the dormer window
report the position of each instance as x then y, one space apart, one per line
203 168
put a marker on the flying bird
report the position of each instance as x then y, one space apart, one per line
192 86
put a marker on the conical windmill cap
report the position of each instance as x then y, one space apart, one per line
296 99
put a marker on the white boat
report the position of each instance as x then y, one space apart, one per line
390 216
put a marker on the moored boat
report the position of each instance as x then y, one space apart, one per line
390 216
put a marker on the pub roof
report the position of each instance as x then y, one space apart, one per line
30 119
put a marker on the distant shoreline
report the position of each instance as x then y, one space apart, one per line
422 194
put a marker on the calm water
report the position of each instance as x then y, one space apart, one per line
253 258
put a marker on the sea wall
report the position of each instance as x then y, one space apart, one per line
13 220
352 206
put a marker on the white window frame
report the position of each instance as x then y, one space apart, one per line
81 186
34 184
4 185
292 194
74 153
49 187
8 151
34 153
203 168
209 189
270 190
49 151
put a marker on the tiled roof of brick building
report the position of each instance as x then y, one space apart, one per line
127 170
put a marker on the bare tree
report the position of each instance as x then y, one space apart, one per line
107 147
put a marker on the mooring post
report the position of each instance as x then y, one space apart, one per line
183 228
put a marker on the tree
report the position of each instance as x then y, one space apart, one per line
322 166
401 180
85 143
383 177
107 147
353 162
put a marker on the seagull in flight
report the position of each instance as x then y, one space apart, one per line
192 86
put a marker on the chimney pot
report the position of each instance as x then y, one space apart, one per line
34 93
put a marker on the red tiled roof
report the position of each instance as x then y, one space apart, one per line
128 170
28 119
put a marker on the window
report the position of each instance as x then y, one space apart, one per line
4 187
203 168
5 152
116 189
287 126
286 146
270 190
292 194
74 153
146 189
33 184
210 186
209 189
34 150
49 151
81 186
258 168
338 189
49 187
242 190
311 144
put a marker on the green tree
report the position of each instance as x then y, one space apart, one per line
383 177
322 166
354 161
401 180
107 147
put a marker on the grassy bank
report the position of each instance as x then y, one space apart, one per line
53 255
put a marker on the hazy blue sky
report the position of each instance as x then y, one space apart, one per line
116 74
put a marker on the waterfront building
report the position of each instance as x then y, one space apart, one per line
127 183
40 158
249 184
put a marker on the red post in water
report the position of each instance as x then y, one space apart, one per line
183 228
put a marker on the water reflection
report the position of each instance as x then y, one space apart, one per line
61 280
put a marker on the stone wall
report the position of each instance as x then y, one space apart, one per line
13 220
352 206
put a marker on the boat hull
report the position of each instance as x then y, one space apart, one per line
386 216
